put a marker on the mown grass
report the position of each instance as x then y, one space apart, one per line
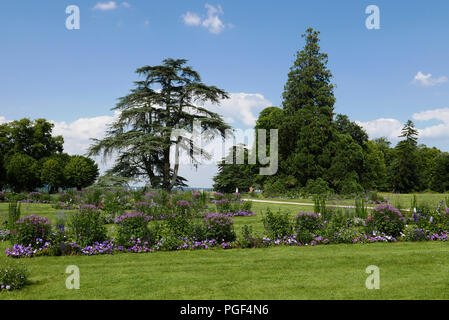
407 270
402 200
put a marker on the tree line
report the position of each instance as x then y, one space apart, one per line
31 158
320 151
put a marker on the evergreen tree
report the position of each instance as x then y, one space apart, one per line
166 99
404 168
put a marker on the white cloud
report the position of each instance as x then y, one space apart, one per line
77 134
426 80
390 128
126 4
211 21
439 131
106 6
191 19
3 120
241 106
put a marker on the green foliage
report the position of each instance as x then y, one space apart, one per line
179 225
166 99
308 221
277 225
248 240
13 276
23 144
316 187
232 175
219 227
93 197
440 181
361 210
132 227
86 226
22 172
414 233
27 230
81 172
52 174
386 219
13 215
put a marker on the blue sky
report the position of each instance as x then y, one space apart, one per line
73 77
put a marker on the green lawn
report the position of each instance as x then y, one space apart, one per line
403 200
407 270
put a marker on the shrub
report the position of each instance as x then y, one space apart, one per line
30 228
223 206
308 221
112 204
12 276
183 207
387 219
179 225
13 214
132 225
219 227
277 225
248 240
414 233
338 232
86 226
318 186
304 236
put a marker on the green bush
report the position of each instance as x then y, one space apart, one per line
30 228
219 227
13 214
12 276
387 219
248 240
414 233
132 226
277 225
179 225
86 226
308 221
318 186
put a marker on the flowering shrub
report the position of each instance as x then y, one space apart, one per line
30 228
132 225
144 207
386 219
223 206
277 225
219 227
414 233
86 226
183 207
308 221
12 277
